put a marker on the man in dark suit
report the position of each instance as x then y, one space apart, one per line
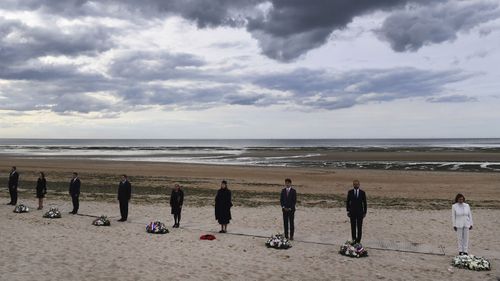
13 182
288 199
74 191
124 194
356 210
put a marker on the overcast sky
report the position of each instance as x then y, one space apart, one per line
249 69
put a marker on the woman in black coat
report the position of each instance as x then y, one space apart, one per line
223 206
41 189
176 201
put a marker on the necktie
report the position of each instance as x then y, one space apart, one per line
356 191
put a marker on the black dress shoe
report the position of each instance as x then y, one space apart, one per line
291 238
9 204
122 219
466 254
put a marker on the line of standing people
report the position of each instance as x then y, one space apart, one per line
356 202
356 205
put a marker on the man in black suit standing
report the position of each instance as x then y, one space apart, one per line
288 199
356 210
74 191
124 194
13 182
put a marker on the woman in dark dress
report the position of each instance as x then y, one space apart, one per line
176 201
223 206
41 189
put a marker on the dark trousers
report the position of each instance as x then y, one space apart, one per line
356 224
288 217
124 209
13 195
177 217
76 203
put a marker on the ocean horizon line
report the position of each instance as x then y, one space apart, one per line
423 138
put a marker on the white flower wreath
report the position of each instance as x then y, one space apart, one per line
21 208
471 262
278 241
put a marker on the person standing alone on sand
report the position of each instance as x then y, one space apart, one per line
74 191
41 189
356 210
124 194
288 200
223 206
176 201
462 223
13 182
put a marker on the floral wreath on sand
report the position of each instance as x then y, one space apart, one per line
278 241
471 262
101 221
156 227
209 237
353 250
21 208
53 213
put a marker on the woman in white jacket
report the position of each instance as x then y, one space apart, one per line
462 223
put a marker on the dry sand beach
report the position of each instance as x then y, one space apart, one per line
405 207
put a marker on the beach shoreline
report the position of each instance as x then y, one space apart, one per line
157 178
463 155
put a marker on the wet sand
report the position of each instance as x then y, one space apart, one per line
377 183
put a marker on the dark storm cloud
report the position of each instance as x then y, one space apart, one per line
411 29
285 29
292 27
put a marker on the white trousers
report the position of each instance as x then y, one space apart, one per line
463 239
